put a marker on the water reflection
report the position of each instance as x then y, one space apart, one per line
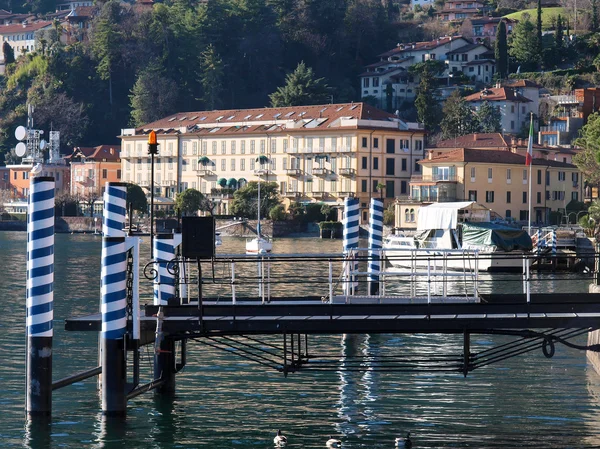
109 432
38 432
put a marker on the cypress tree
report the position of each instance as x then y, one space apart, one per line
560 34
501 51
539 26
9 54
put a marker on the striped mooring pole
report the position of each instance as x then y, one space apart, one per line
113 293
164 280
375 243
40 296
350 224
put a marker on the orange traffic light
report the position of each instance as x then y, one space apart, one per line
152 138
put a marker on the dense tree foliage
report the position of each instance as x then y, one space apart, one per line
489 118
245 200
459 119
301 88
524 47
189 202
501 50
136 198
428 109
588 161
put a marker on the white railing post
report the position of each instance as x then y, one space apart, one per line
330 281
233 300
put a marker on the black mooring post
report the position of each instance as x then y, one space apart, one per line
285 368
39 376
164 366
114 372
466 352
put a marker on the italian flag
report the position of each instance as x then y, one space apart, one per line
529 155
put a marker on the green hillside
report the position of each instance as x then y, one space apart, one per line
547 14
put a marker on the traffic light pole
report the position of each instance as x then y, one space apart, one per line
152 150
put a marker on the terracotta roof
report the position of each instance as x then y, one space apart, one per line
481 61
96 153
498 94
491 157
417 46
520 83
21 28
262 120
460 11
479 140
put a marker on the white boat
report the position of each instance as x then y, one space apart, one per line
443 241
218 240
259 244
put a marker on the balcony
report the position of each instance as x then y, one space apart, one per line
435 178
293 171
225 193
319 194
347 171
166 182
263 172
204 172
291 194
345 194
320 171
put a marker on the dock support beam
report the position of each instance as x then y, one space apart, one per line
40 296
375 242
113 309
164 366
466 352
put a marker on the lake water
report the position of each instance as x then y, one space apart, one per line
223 401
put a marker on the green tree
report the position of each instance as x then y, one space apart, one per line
137 198
212 70
428 109
153 97
459 118
501 50
188 202
244 202
540 47
9 53
301 88
489 118
524 45
588 160
277 213
559 35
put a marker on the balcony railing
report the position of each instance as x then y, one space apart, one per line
434 178
293 171
221 193
319 194
291 194
344 194
435 198
166 182
320 171
347 171
205 172
262 172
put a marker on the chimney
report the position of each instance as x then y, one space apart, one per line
513 141
474 137
430 155
498 85
520 142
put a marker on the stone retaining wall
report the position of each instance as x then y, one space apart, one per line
594 338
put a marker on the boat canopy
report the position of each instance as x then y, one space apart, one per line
505 238
447 215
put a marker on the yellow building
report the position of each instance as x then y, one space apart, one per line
499 180
320 153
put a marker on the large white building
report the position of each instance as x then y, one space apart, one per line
320 153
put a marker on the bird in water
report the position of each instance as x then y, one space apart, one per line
332 442
279 439
404 442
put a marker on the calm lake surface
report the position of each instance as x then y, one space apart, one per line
223 401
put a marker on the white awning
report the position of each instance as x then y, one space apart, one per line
445 215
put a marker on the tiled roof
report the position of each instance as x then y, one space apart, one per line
383 72
460 11
97 153
498 94
466 48
479 140
520 83
481 61
491 157
416 46
262 120
23 28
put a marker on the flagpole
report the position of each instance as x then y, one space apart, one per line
529 160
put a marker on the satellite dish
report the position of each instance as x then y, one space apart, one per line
20 132
42 144
20 149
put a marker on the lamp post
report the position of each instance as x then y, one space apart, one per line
152 150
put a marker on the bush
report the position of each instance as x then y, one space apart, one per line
277 213
389 216
313 213
331 229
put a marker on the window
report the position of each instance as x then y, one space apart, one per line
262 146
524 197
523 215
184 148
389 167
508 197
214 148
525 176
243 147
364 142
375 163
252 147
490 174
104 173
363 185
508 176
418 145
364 162
489 196
365 82
389 146
575 179
223 147
547 178
472 174
273 146
118 175
204 148
512 108
561 176
232 164
233 147
375 142
285 145
403 187
512 124
472 195
539 197
375 82
404 164
539 177
417 166
375 182
252 164
575 196
508 213
243 164
389 189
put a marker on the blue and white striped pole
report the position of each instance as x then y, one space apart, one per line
114 302
164 281
554 243
350 223
375 243
40 295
